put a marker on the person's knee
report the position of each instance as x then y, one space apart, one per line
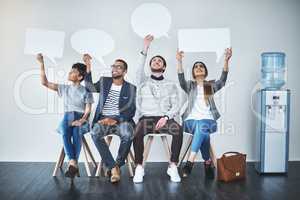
140 129
175 129
126 132
97 131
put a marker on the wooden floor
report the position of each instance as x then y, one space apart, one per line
35 181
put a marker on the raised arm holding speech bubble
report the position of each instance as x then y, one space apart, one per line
44 80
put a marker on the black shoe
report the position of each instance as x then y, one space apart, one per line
209 170
187 169
72 172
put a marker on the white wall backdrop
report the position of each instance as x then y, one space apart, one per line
30 113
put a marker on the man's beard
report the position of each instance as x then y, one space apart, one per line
117 77
161 70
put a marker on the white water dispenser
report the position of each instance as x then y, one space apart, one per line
272 133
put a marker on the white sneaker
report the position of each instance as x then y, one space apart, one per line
139 174
173 173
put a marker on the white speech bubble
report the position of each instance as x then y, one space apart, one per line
48 42
95 42
151 18
204 40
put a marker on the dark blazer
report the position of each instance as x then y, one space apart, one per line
127 104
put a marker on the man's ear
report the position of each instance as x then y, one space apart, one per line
80 78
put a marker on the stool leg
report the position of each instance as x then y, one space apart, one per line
98 171
89 152
59 162
132 158
166 145
147 148
186 149
213 156
86 162
128 161
62 158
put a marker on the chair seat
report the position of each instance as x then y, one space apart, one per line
157 134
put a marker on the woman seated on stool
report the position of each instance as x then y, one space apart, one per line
199 119
77 107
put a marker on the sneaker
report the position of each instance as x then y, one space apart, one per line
209 170
173 173
187 169
115 174
139 174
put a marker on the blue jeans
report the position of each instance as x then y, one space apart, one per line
71 136
124 130
201 139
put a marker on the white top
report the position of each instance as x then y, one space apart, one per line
200 109
111 106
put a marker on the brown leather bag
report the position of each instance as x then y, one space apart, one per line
231 167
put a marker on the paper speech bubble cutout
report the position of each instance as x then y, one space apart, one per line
151 18
48 42
95 42
204 40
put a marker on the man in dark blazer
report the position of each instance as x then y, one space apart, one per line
114 113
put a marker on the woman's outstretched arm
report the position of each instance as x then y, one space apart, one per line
221 82
44 80
183 83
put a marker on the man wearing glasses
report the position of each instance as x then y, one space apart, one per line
115 110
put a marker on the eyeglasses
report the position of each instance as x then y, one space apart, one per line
117 67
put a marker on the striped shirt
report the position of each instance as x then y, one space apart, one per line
111 106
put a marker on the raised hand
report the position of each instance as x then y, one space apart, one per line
40 58
228 54
147 41
179 55
87 61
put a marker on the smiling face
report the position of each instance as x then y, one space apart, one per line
157 64
199 70
77 72
74 75
118 69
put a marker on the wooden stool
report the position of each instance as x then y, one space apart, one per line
149 143
187 151
87 153
129 160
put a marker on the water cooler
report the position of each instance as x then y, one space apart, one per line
272 111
